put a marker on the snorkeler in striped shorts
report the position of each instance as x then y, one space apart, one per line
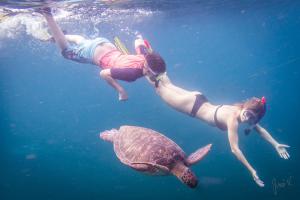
114 64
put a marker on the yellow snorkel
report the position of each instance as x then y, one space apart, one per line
120 45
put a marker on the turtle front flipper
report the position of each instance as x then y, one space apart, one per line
144 166
198 155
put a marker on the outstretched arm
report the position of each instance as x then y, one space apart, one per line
280 148
234 145
106 75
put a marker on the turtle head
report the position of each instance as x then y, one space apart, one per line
108 135
185 175
189 178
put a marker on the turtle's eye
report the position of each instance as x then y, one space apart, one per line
176 157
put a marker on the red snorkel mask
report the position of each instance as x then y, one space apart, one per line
148 45
263 100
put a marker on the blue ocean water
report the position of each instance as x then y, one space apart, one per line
52 109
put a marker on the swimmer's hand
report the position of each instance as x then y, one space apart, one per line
123 96
259 182
281 150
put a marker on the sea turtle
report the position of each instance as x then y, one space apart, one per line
148 151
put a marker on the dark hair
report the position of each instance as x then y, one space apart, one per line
257 106
156 63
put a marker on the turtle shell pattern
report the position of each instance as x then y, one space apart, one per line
138 144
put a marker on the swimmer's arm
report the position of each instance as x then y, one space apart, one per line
234 145
106 75
280 148
265 134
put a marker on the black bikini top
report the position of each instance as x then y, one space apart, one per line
217 123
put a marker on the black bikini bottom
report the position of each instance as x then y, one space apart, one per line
199 101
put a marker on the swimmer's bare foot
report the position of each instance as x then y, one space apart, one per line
123 96
196 93
44 11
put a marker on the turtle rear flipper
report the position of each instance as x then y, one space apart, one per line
143 166
108 135
198 155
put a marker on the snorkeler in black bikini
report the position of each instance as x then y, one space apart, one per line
225 117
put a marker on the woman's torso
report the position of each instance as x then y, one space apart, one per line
217 115
185 100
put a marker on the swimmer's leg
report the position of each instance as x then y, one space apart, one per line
181 102
77 39
180 91
57 33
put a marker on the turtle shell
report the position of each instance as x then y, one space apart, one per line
142 145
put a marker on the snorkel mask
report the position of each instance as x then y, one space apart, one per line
252 117
254 114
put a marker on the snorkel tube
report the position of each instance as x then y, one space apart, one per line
120 46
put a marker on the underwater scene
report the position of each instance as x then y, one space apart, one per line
145 99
